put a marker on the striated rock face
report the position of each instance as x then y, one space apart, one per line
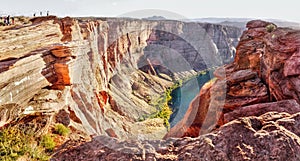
265 69
271 136
250 111
101 76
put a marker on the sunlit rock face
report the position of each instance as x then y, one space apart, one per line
265 69
101 76
250 111
243 115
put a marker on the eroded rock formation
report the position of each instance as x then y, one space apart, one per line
271 136
265 69
101 76
250 111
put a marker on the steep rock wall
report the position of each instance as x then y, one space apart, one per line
265 69
100 74
250 111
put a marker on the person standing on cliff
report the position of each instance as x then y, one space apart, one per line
47 13
41 13
34 15
7 20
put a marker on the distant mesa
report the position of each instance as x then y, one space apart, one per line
241 22
155 18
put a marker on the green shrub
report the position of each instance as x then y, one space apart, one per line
47 142
271 27
15 143
62 130
164 113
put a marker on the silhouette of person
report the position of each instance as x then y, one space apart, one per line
47 13
34 15
7 20
41 13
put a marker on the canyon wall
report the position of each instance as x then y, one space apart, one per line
265 69
250 111
101 76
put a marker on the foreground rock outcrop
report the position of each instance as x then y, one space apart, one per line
271 136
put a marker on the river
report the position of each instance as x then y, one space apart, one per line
182 96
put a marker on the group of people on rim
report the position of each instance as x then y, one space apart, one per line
7 20
41 14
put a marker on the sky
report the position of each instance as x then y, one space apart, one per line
262 9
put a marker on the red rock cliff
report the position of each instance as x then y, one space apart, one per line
266 69
256 95
92 74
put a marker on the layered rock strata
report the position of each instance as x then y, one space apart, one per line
265 69
102 75
250 111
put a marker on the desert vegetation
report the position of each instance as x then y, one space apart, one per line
270 27
61 130
16 143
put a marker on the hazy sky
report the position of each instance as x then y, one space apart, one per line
277 9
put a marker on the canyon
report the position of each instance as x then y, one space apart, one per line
249 111
104 78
